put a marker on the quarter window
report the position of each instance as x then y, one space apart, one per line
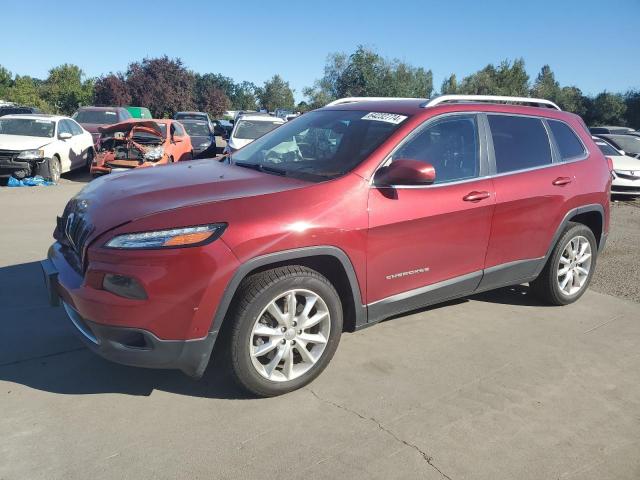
519 143
568 143
449 144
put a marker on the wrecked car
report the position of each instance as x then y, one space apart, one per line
140 143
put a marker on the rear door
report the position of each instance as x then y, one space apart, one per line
428 243
533 193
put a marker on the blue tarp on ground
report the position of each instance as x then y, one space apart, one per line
37 181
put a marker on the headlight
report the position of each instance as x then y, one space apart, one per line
205 145
176 237
31 155
154 153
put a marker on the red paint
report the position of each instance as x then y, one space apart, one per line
445 230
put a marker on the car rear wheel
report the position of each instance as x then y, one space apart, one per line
284 331
89 159
570 267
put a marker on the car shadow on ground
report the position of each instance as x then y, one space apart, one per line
39 348
81 175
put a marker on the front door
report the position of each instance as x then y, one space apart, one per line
428 243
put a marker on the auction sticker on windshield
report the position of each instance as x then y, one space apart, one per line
385 117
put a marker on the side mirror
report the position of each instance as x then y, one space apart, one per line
622 152
405 171
65 136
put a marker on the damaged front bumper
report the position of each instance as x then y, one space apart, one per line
23 168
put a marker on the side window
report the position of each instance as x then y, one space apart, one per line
519 143
450 144
63 127
178 130
75 128
568 143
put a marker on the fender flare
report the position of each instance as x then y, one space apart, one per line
594 207
287 256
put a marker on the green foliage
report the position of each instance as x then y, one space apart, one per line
276 93
367 74
112 90
632 101
608 109
244 96
6 81
506 79
28 91
449 85
65 89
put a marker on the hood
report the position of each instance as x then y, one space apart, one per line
129 125
20 142
119 198
624 162
238 143
92 127
196 140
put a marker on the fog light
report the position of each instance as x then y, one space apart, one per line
124 286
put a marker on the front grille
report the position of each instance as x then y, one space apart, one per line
8 154
77 230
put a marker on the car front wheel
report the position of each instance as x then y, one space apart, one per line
285 329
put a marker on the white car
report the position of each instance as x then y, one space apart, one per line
27 142
249 127
626 169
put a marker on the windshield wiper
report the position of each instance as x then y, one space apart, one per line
261 168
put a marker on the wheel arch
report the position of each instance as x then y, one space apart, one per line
590 215
329 261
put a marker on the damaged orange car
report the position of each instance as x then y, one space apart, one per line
140 143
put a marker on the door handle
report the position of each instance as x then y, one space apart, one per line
476 196
558 182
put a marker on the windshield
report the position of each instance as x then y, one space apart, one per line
191 116
607 149
99 117
252 129
628 143
27 127
319 145
199 129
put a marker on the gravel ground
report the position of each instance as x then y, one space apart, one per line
618 269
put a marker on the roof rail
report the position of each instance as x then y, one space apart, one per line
536 102
342 101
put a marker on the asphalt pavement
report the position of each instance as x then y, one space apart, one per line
496 386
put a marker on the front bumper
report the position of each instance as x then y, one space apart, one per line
132 346
169 330
9 167
625 185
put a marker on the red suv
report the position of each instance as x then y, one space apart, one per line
336 220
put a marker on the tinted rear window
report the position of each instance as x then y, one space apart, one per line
568 143
519 143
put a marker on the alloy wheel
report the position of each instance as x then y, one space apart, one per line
290 335
574 265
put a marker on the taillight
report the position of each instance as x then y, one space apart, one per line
610 163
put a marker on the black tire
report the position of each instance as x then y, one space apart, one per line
254 294
90 156
546 287
55 169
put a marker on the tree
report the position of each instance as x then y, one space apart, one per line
65 90
365 73
244 96
608 109
163 85
6 81
506 79
28 91
112 90
632 115
546 85
449 85
572 100
214 101
276 93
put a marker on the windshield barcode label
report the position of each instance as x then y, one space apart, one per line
384 117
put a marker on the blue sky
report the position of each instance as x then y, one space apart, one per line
593 45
